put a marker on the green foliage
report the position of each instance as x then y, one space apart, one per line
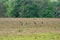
47 12
31 8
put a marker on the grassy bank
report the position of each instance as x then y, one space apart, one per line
32 37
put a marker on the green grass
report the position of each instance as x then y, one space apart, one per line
32 37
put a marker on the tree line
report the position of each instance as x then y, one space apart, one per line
30 8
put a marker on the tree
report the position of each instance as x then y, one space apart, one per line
30 8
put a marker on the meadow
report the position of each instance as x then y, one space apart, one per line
32 37
29 29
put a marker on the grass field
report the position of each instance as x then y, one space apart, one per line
32 37
29 29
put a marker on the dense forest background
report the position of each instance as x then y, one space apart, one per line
30 8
